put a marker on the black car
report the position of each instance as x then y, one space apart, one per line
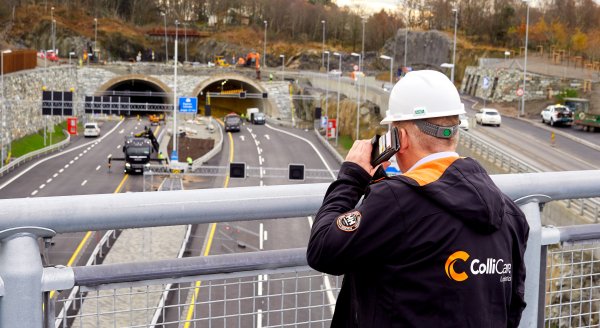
258 118
233 122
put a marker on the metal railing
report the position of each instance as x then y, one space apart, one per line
35 154
588 208
22 221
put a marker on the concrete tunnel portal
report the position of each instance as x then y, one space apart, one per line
228 88
142 89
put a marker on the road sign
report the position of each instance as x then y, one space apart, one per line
188 105
520 92
174 156
486 83
323 122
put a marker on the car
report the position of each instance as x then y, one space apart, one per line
464 122
488 116
258 118
233 122
91 130
557 114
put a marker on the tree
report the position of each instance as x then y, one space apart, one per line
559 35
579 40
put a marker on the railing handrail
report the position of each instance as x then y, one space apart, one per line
136 210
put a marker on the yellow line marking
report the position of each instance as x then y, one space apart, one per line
88 235
213 228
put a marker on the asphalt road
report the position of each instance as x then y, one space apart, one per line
531 141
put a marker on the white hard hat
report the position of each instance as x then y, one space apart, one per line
423 94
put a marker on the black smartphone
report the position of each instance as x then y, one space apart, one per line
384 146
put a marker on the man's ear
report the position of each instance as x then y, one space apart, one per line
403 138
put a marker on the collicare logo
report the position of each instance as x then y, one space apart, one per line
490 266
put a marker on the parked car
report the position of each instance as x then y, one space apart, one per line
488 116
233 122
557 114
91 130
464 122
258 118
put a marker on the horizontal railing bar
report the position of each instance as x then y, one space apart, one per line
189 266
138 210
172 269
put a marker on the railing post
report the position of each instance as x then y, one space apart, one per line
21 269
531 314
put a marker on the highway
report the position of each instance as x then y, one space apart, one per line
531 142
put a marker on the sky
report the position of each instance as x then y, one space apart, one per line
374 5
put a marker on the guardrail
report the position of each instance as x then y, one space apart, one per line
35 154
22 221
587 208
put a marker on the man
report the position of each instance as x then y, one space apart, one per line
439 245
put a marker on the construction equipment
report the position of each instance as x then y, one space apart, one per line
138 149
155 119
221 61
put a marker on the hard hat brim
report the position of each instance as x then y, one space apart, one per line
397 118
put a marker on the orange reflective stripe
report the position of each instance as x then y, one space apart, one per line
430 171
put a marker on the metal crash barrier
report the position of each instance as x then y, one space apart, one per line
267 288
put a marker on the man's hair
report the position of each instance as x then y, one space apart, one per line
429 143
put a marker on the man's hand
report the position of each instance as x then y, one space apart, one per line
360 154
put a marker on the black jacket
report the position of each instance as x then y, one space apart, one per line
440 246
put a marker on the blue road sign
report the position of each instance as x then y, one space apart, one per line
188 105
174 156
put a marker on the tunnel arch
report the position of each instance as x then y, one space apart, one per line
139 82
213 84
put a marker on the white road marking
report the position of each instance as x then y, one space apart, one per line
98 167
253 135
76 158
261 173
55 175
49 180
261 183
56 155
242 138
71 162
259 150
80 154
260 286
119 146
34 192
109 155
259 318
42 186
261 160
66 166
85 152
89 148
121 132
84 182
61 170
249 130
267 136
265 234
310 221
261 230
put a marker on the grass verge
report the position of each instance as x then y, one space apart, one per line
35 141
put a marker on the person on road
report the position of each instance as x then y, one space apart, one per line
437 246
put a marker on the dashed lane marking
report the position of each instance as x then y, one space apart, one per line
83 183
97 168
34 192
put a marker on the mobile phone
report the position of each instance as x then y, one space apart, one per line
384 146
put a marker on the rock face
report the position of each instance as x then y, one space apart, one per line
419 48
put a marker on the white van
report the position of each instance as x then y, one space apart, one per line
91 130
249 113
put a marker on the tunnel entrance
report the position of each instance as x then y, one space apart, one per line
227 94
144 94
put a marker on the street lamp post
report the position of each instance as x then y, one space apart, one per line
362 53
282 66
52 29
391 59
95 38
337 111
323 52
327 91
2 152
265 47
455 11
525 65
164 15
357 98
185 37
175 98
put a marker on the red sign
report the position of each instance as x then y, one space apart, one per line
331 126
520 92
72 125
